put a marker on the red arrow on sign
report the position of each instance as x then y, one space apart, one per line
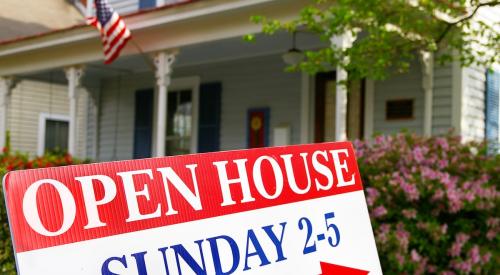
333 269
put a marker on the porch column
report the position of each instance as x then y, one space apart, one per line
369 108
342 42
341 105
6 86
163 62
74 75
427 61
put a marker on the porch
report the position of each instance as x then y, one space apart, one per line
211 90
203 91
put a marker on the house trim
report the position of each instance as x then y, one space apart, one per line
42 121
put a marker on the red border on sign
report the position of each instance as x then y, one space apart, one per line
115 213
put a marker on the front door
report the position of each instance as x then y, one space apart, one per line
179 122
324 106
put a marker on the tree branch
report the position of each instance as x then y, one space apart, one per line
449 25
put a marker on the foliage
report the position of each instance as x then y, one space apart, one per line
389 33
10 161
434 204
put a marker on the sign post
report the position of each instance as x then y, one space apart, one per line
284 210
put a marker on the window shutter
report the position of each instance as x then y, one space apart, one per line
145 4
209 117
492 109
143 125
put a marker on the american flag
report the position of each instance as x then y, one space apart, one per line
114 32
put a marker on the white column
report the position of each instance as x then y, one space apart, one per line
163 62
341 42
74 75
369 108
6 86
458 89
341 105
427 61
305 110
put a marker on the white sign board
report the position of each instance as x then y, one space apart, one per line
284 210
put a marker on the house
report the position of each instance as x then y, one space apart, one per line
188 83
28 105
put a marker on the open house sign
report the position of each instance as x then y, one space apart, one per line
284 210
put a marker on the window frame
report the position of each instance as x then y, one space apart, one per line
42 123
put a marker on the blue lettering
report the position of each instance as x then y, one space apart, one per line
105 266
216 257
258 250
141 265
165 262
278 243
184 254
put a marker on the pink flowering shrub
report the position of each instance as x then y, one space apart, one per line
434 204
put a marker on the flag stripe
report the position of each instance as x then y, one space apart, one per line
112 24
118 31
113 30
112 57
115 41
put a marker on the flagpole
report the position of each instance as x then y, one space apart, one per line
144 55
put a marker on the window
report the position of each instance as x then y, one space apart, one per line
399 109
179 122
146 4
325 109
53 133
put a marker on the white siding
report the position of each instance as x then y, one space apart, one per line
473 103
442 99
130 6
116 119
92 122
246 83
402 86
125 6
474 88
28 100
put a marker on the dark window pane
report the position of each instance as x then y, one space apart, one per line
171 109
56 135
185 96
399 109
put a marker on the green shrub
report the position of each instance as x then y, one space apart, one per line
433 204
16 161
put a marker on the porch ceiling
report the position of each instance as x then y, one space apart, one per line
192 55
170 29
